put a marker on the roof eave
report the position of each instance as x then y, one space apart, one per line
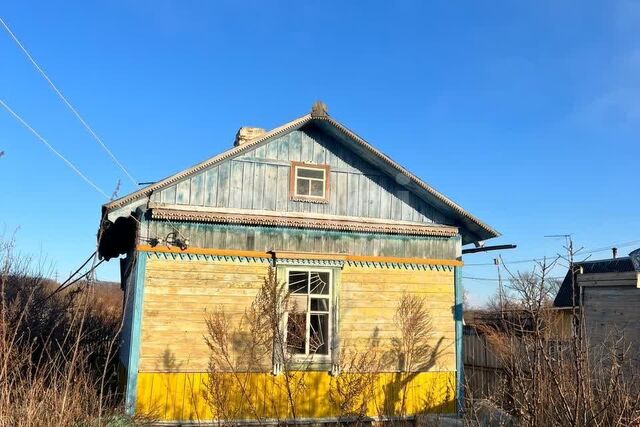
146 191
484 231
476 230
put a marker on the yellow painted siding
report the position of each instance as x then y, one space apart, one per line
369 298
178 295
181 396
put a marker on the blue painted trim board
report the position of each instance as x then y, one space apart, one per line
458 313
134 343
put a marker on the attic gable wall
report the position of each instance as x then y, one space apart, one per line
259 180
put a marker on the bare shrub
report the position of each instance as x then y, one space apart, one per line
550 380
256 342
266 335
56 367
353 388
413 351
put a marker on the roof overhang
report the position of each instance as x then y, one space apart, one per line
470 228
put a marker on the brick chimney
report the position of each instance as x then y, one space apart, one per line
246 133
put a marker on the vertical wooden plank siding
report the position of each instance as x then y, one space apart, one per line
259 180
211 189
295 240
136 328
197 190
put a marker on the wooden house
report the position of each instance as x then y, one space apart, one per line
607 294
318 204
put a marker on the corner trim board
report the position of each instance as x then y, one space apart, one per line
458 316
136 332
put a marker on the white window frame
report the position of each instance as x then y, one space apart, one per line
323 180
329 313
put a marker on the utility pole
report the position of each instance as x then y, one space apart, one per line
496 261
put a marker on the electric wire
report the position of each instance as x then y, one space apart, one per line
68 104
50 147
489 279
69 284
580 252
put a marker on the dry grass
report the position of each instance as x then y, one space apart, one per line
546 382
57 353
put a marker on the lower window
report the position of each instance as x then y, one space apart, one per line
308 315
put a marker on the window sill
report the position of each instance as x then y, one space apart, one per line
313 363
309 199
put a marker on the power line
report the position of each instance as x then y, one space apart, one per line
580 252
489 279
68 104
62 286
50 147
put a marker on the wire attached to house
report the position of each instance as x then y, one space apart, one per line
70 280
580 252
68 104
50 147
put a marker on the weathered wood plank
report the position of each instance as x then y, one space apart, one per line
211 187
272 149
248 190
235 195
169 194
224 184
259 186
281 188
182 192
270 193
197 190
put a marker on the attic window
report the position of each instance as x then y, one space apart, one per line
309 182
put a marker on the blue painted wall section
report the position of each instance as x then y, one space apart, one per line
458 314
134 343
259 180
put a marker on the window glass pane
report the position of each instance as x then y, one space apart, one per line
296 333
319 304
311 173
302 187
319 334
317 188
298 282
319 283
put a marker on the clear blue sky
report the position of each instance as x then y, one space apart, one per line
525 113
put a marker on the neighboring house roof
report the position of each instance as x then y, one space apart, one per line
614 265
474 229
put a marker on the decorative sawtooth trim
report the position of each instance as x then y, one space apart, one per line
308 223
297 123
441 197
399 266
313 262
209 162
172 256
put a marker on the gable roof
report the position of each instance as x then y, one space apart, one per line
473 229
614 265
